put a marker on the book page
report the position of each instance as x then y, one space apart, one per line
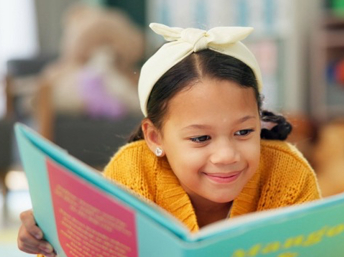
90 223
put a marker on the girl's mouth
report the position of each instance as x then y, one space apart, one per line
223 177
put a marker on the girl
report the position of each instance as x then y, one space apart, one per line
199 152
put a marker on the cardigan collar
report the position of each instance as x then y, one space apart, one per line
172 197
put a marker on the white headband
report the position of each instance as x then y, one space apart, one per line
225 40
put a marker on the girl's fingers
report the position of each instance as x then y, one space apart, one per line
26 242
29 223
29 244
30 237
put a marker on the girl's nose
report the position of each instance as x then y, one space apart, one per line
225 153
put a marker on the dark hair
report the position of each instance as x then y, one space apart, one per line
211 64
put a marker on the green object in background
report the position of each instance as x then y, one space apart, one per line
338 4
338 7
136 9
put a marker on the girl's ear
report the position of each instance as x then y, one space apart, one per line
152 137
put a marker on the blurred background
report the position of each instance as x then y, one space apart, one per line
69 70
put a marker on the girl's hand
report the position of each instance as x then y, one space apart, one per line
30 237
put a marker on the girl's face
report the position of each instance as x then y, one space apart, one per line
211 138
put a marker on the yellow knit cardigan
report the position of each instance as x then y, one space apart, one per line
283 178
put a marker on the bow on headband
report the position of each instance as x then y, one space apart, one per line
225 40
201 39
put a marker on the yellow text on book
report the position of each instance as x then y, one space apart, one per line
291 242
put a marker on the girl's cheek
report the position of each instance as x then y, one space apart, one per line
252 151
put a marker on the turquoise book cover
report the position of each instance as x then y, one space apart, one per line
83 214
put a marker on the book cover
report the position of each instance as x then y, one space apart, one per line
83 214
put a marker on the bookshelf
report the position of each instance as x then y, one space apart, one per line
327 77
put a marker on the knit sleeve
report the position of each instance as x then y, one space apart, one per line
303 189
287 178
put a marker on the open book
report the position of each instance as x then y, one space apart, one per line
82 214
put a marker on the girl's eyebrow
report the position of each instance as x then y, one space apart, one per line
197 126
203 126
245 118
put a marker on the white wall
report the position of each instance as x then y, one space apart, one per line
18 31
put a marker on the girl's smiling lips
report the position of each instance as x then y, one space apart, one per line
223 177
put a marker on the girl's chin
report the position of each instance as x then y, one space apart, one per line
222 200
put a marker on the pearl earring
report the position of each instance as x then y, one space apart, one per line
158 151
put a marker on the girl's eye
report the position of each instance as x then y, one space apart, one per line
243 132
200 139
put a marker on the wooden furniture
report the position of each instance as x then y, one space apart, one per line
15 111
6 133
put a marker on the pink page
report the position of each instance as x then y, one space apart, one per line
90 223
